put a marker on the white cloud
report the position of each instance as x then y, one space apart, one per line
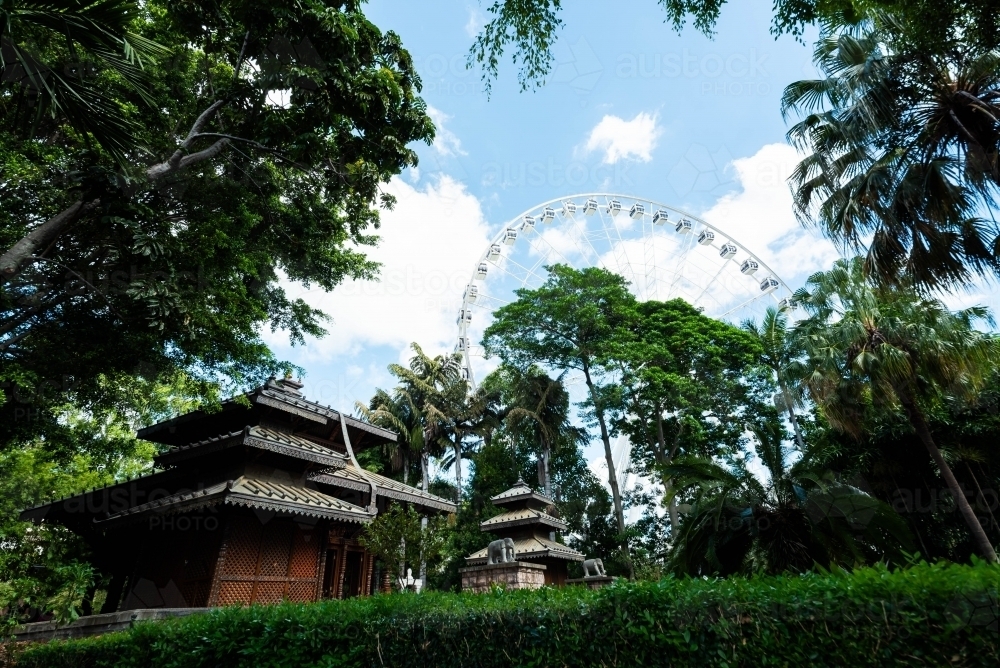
430 243
761 216
620 139
446 142
476 21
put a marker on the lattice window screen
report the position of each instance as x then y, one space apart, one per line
275 548
301 592
269 592
243 547
305 554
232 593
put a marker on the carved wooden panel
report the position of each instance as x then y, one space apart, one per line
301 592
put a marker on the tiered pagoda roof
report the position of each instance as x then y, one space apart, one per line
283 454
528 522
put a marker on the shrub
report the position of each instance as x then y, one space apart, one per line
929 614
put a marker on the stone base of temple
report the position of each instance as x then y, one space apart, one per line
512 575
595 582
92 625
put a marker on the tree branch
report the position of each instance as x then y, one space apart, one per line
12 260
178 160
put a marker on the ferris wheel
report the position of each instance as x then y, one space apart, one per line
662 251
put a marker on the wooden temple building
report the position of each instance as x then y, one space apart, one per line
526 519
259 502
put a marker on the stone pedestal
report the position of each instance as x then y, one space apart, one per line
595 582
514 575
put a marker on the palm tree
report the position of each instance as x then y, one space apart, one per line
903 151
539 411
440 394
894 348
780 353
800 516
55 76
397 413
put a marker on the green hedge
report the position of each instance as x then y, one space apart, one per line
927 615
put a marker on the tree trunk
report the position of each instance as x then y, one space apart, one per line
792 418
423 561
979 538
406 467
982 496
424 472
668 484
546 480
12 261
609 458
458 470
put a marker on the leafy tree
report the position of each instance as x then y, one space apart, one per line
881 462
800 516
572 321
177 260
397 538
531 27
892 347
903 148
50 53
690 384
437 391
538 414
45 569
397 413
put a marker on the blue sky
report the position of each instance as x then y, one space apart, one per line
631 107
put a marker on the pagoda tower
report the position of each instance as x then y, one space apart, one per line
527 519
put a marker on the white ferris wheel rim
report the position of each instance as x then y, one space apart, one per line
518 223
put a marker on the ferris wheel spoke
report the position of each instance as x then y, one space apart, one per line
528 272
541 237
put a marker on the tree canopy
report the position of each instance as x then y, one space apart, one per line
259 160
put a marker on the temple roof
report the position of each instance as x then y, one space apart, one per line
522 517
281 395
532 547
261 438
521 494
250 493
350 478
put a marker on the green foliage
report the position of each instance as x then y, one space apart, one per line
925 615
50 55
44 567
801 517
397 539
893 347
175 262
902 144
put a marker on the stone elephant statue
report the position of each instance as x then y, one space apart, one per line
595 565
500 551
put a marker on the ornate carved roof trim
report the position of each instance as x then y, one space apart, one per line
250 493
263 439
514 518
349 478
292 499
531 548
520 492
295 403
